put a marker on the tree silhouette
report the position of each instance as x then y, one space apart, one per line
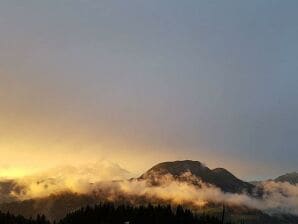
110 214
7 218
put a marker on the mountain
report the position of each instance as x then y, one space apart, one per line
292 178
56 206
219 177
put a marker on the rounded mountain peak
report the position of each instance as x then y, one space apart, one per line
219 177
179 167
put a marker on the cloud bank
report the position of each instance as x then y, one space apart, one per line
108 181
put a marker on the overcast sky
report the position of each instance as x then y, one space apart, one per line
138 82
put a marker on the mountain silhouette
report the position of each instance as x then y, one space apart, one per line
292 178
218 177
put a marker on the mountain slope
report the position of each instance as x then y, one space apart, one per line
292 178
219 177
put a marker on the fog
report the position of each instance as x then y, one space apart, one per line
108 181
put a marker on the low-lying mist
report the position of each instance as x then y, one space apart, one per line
110 182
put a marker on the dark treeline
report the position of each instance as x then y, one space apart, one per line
7 218
111 214
108 213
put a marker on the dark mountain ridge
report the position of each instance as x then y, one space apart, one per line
291 178
218 177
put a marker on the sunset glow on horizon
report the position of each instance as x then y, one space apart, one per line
146 82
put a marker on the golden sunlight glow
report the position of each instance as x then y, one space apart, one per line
15 172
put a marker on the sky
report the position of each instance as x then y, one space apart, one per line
140 82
